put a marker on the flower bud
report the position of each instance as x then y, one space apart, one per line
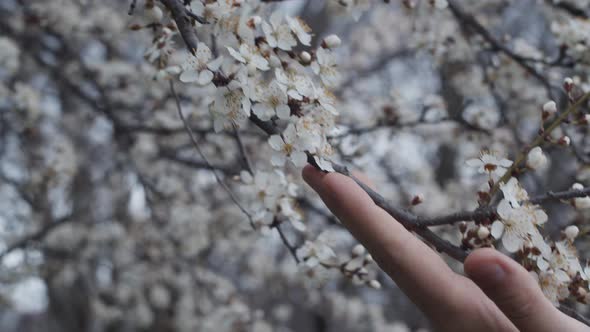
577 186
550 107
483 232
331 41
305 57
571 232
564 140
418 199
256 20
536 158
568 84
358 250
582 203
374 284
155 14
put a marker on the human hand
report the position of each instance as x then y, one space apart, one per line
497 295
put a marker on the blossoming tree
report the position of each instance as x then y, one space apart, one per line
151 154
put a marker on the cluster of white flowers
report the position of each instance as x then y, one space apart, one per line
9 55
272 199
575 34
554 265
297 92
318 256
490 163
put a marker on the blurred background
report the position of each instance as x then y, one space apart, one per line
109 221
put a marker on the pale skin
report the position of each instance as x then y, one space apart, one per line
497 294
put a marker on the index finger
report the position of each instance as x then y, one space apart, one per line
414 267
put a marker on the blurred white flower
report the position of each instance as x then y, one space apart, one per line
286 147
249 56
200 67
325 66
488 162
272 101
278 34
536 159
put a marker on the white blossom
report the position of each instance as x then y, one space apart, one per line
536 159
581 203
9 55
490 163
301 30
250 57
200 67
325 66
272 101
514 193
278 34
231 107
286 146
517 225
571 232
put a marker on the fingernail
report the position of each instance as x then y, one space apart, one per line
490 274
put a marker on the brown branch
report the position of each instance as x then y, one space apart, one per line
179 14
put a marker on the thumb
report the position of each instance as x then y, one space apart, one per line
514 291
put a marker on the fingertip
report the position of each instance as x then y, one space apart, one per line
479 257
486 267
311 175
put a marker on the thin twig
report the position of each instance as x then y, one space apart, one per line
207 163
290 247
245 158
540 139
